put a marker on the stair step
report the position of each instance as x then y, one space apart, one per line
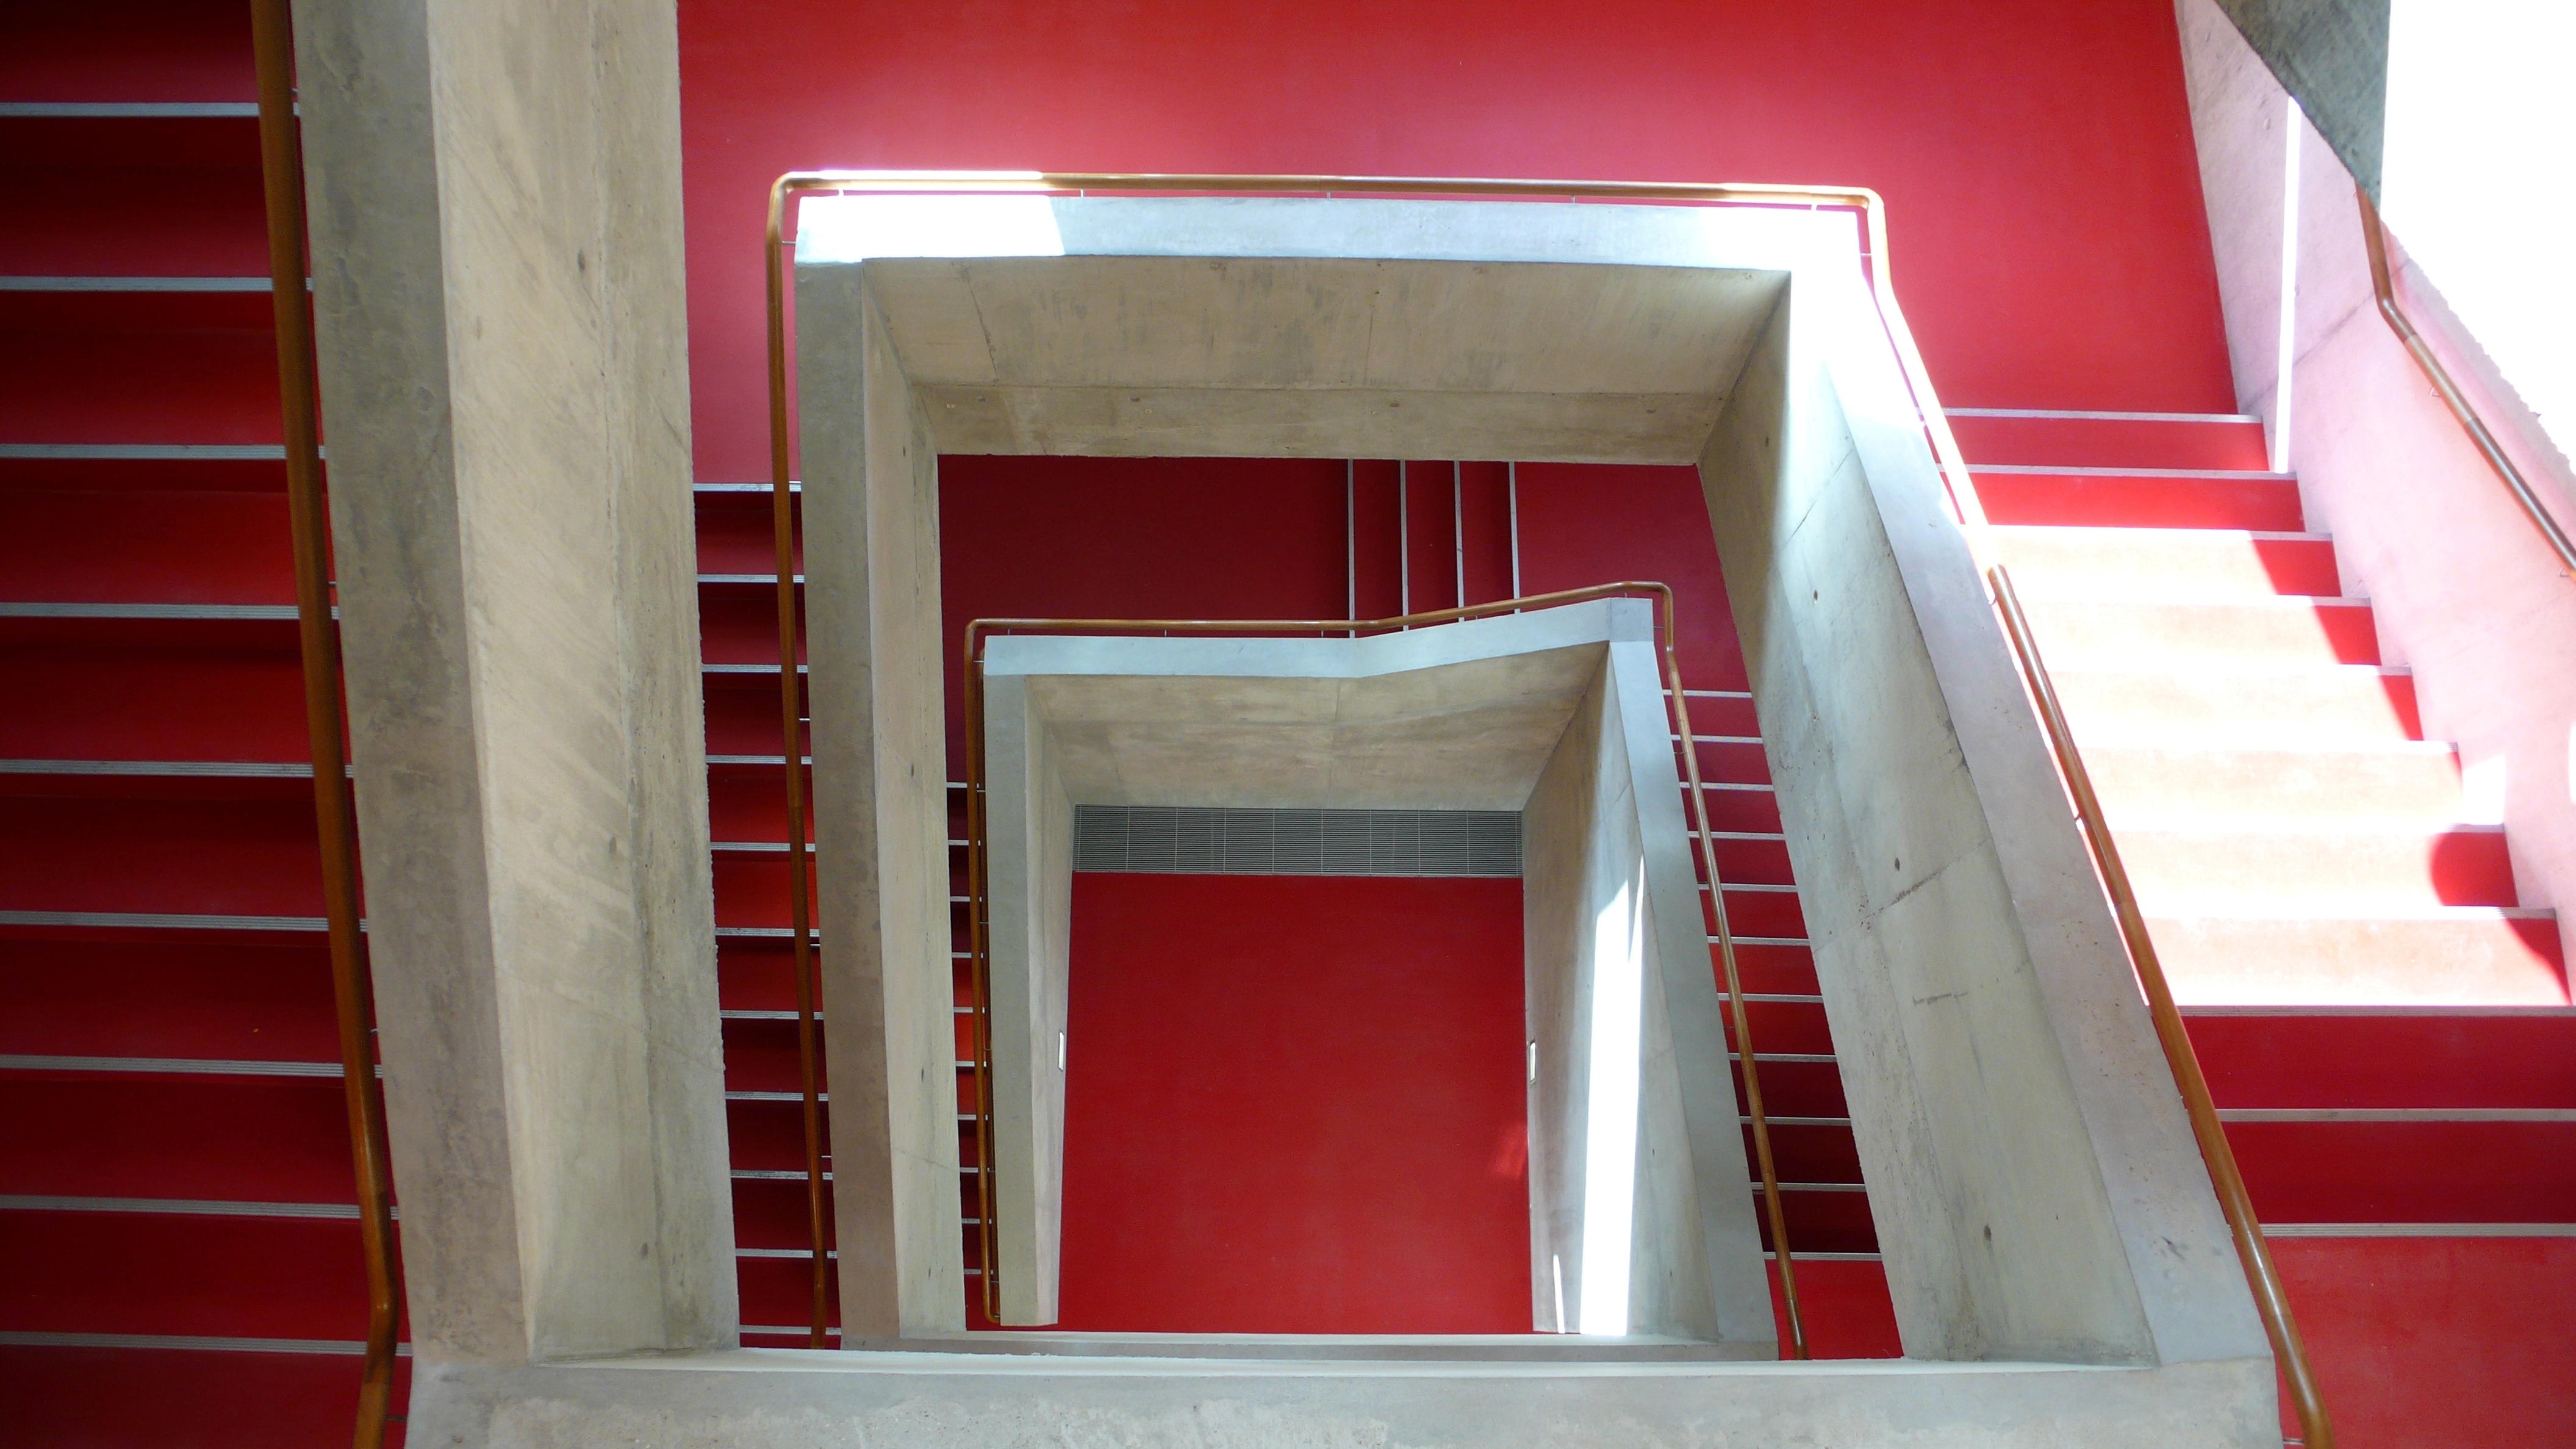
2291 867
2114 440
2388 782
2436 956
2171 564
2386 1057
2292 632
2415 1171
2345 704
139 387
2107 498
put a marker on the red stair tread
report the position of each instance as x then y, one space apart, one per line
139 387
125 50
130 547
2141 500
146 998
182 857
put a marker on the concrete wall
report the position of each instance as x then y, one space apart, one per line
2031 1173
495 204
1611 936
880 817
2466 593
2333 55
1029 825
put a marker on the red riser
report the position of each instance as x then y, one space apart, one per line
141 998
778 1292
143 475
770 1213
2412 1059
253 858
2269 505
61 221
770 1136
123 1398
2408 1172
749 802
1727 764
2112 442
1775 914
1724 716
2460 1342
761 1056
138 387
1810 1154
743 717
215 1276
1819 1222
126 50
1844 1307
1796 1089
736 535
757 975
740 626
141 548
238 704
247 1139
133 144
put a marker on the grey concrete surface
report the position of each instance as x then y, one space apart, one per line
1638 1220
2332 55
1272 328
792 1399
1029 870
871 509
2031 1172
495 209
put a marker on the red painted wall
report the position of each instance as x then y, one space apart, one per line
2036 156
1293 1104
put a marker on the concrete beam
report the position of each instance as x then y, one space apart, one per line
785 1399
880 815
2031 1171
498 285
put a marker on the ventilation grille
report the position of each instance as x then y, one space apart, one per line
1189 840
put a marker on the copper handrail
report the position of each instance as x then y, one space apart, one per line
1723 939
782 523
2316 1429
2383 289
334 812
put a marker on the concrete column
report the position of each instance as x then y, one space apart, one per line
871 478
495 198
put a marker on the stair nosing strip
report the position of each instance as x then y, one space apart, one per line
179 1207
2419 1230
128 110
2090 470
145 452
2365 1116
132 284
2080 416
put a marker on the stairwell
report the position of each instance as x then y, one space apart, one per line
2384 1025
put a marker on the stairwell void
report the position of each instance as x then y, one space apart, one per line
1638 1223
2058 1267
